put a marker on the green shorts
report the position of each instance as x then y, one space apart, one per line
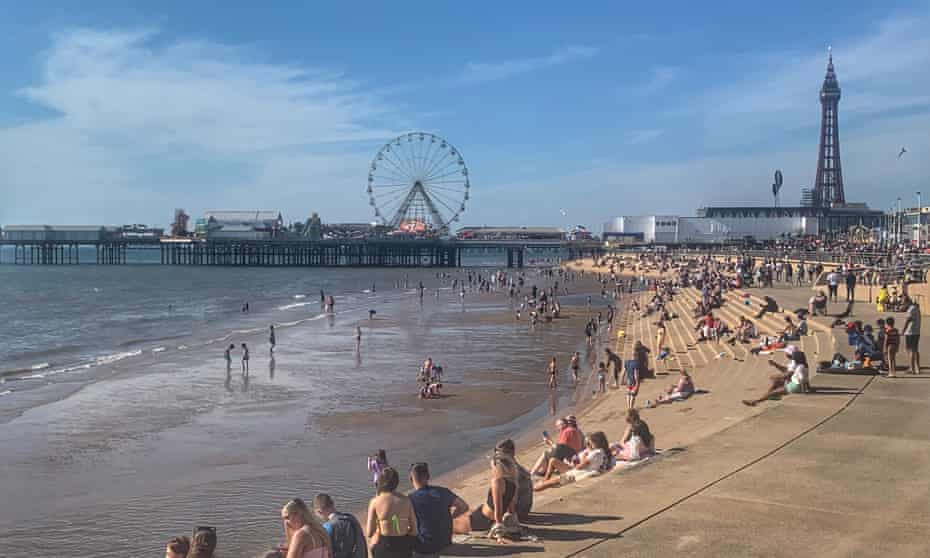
792 387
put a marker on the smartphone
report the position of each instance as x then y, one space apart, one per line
545 434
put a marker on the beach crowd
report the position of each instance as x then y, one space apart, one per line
422 522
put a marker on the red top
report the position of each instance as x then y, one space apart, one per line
571 438
892 337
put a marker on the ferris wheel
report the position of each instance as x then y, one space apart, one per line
418 182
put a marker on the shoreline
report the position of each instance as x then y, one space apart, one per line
468 481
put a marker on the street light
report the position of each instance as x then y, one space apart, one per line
898 229
920 220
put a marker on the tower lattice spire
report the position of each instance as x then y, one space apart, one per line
828 185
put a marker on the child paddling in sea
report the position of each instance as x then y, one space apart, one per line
376 464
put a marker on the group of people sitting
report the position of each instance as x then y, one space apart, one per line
745 332
574 456
711 328
420 523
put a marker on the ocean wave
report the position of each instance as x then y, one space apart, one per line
158 349
116 357
33 368
84 366
300 296
151 339
6 392
293 305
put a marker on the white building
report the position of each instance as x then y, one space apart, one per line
666 229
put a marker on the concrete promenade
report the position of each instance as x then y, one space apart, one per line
844 471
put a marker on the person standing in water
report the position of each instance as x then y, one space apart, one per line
245 358
553 374
575 365
227 354
271 337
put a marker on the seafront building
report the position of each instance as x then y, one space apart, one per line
239 225
823 210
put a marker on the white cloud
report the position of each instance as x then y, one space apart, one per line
637 137
137 119
491 71
660 77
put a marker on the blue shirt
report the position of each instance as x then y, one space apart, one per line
431 505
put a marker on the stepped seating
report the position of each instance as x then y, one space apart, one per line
691 297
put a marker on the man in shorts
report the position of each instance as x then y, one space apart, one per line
833 282
912 336
616 362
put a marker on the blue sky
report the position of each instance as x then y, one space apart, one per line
114 112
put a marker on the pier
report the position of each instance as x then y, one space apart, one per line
291 253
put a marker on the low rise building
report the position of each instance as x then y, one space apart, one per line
240 225
54 233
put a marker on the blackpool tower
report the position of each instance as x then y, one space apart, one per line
828 187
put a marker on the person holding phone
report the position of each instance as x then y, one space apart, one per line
568 444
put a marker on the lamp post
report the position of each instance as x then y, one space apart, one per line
898 229
920 220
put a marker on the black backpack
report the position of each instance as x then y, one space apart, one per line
347 538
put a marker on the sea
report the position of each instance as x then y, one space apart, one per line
121 425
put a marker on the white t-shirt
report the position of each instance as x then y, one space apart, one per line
596 459
913 314
833 278
799 374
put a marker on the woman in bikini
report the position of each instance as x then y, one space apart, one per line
306 538
553 374
502 497
392 524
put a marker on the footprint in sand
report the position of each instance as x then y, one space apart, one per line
686 542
